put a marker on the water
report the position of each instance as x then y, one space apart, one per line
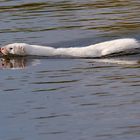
80 99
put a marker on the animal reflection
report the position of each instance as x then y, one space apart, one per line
16 63
23 62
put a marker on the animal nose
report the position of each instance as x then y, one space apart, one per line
2 49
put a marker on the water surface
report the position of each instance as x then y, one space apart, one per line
80 99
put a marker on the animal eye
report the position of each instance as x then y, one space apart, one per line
10 48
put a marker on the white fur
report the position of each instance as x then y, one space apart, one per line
97 50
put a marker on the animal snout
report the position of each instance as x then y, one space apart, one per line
2 48
3 51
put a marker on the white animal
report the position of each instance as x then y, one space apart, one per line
126 45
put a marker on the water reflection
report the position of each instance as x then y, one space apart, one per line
17 62
120 61
23 62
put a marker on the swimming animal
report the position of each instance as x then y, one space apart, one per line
118 46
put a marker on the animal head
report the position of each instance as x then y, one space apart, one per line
14 49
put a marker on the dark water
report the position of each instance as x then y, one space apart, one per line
79 99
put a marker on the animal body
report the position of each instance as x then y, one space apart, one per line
126 45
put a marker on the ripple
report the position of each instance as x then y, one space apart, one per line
49 89
89 104
12 89
53 116
55 82
52 133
